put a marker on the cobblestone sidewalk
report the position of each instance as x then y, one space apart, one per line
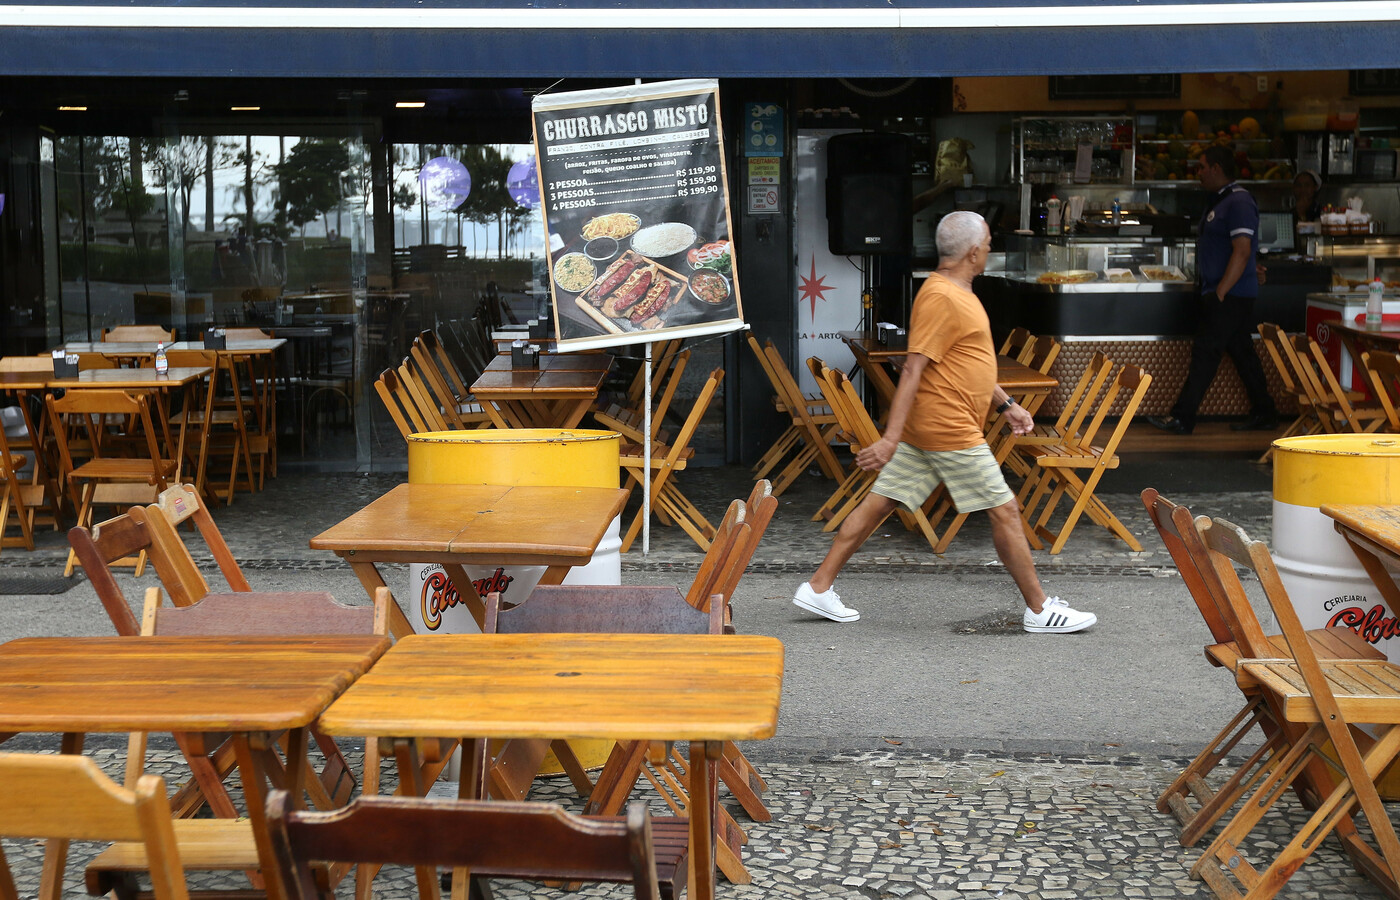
950 825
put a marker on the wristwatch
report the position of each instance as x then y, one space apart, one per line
1005 406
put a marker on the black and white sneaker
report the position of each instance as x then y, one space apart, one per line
1056 617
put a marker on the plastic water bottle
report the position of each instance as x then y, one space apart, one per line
1373 303
162 364
1052 215
1117 212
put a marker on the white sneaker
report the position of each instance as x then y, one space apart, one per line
1055 617
827 604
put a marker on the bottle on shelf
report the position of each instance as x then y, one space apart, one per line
1052 215
1374 295
1117 212
162 364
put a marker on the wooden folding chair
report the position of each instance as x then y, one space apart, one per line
224 843
1016 341
29 491
861 430
667 500
1057 467
1277 345
137 334
402 397
630 423
438 373
102 479
1236 633
490 838
1383 372
1352 415
182 579
794 437
67 797
1325 700
663 354
818 427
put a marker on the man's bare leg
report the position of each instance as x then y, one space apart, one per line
859 525
1014 552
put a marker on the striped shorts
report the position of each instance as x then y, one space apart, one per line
972 476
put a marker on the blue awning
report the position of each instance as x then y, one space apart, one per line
593 38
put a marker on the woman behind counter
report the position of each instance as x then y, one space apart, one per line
1306 207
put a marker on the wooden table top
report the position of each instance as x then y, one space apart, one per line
619 686
494 523
115 684
148 348
555 362
141 379
1010 373
863 344
1388 333
525 384
1378 524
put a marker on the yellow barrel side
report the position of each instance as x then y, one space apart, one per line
536 457
1337 468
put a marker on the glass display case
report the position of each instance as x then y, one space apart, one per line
1355 261
1089 263
1072 150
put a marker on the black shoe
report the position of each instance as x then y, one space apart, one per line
1168 424
1256 423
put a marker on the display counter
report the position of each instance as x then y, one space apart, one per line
1146 315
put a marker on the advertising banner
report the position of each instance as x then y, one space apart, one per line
635 198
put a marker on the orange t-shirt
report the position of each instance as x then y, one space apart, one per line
949 326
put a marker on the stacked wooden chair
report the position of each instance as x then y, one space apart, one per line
668 502
1351 413
1236 633
1069 424
1323 703
859 430
27 489
1058 467
444 383
811 425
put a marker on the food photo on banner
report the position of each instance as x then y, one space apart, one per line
636 205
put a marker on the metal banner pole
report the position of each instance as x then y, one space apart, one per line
646 458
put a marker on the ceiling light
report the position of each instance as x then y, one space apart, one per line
245 108
410 104
72 109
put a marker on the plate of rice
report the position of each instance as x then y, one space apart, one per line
665 239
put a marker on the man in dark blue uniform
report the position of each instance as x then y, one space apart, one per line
1229 282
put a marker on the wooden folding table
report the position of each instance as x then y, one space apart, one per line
705 689
459 525
254 687
555 395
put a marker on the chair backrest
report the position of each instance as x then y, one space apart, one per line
428 339
767 366
1081 398
1331 387
1383 371
846 405
1275 344
662 355
1176 528
300 613
433 384
789 390
180 503
67 796
1015 342
681 442
1298 355
759 509
107 542
91 405
417 389
677 364
402 404
246 334
120 333
1135 382
492 838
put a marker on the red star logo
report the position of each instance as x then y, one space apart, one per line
812 288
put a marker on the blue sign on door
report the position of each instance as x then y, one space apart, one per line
763 129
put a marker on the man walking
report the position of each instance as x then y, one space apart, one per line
934 434
1229 279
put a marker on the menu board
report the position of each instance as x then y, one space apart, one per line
635 198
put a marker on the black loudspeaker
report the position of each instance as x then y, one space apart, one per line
869 194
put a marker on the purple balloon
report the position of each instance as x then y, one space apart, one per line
445 182
522 183
2 203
